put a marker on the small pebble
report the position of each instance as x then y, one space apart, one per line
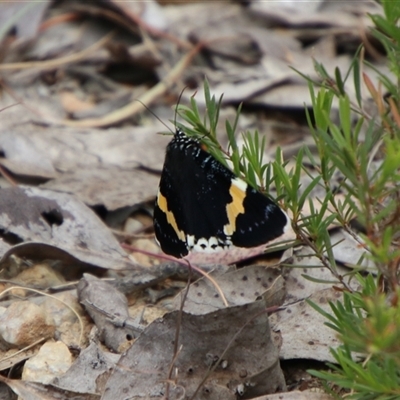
24 322
53 360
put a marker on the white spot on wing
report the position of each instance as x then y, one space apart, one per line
203 245
288 225
239 183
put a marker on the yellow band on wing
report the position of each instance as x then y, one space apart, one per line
235 207
162 204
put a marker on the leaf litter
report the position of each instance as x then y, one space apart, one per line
79 155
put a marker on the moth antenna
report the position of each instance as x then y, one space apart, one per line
177 105
9 106
155 115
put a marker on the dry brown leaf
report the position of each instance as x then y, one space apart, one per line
112 187
89 371
242 286
30 16
251 357
21 157
37 391
14 357
301 264
109 310
303 329
297 395
351 250
61 220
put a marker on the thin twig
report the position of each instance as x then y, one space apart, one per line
135 107
56 62
182 262
177 332
24 349
221 357
7 176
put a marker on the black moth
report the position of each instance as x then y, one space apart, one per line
202 206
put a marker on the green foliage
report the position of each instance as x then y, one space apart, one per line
247 162
369 328
364 151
